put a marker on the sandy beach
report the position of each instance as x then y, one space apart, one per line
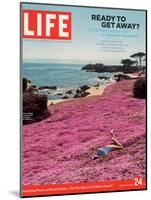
98 90
56 101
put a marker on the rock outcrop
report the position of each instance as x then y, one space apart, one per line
100 68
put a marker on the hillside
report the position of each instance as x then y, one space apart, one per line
58 149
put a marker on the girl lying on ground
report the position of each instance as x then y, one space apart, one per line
115 145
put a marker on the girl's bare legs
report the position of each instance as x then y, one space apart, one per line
116 142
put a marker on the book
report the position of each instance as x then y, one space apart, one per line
83 99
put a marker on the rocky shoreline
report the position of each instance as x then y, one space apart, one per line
92 91
81 91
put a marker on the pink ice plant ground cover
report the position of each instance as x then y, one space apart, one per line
58 149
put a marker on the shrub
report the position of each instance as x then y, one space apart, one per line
24 84
140 88
34 107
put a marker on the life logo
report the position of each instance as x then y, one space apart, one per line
53 25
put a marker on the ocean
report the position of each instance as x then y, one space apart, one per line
64 76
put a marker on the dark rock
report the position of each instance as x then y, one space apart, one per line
69 92
104 77
78 91
84 94
52 87
65 97
40 88
47 87
59 94
84 87
76 96
32 89
121 77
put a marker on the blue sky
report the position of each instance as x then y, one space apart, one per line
87 38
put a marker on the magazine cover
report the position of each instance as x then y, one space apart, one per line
83 99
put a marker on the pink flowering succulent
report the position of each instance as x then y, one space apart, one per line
58 149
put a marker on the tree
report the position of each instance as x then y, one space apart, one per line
144 59
138 56
127 62
134 56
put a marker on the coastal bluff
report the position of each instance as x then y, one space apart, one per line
101 68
